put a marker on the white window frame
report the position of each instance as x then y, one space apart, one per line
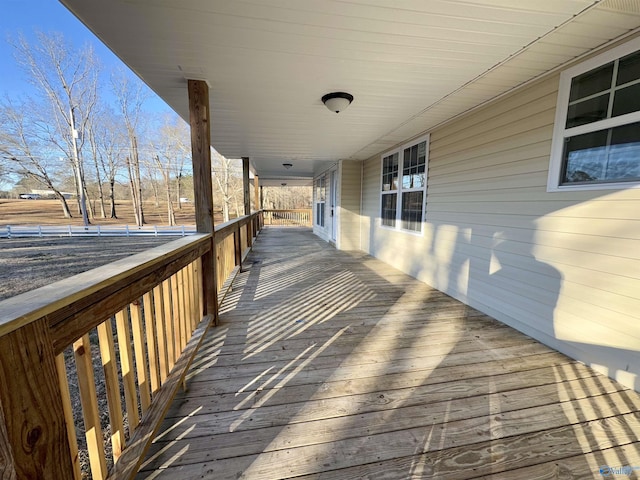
400 190
560 132
320 185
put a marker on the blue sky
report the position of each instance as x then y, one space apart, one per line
27 16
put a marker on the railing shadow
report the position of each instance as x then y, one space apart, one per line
357 371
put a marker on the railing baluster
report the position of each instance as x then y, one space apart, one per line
182 297
90 413
168 318
199 287
175 305
140 355
192 299
152 347
68 415
112 384
283 218
126 366
163 361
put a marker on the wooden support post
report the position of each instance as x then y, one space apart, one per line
245 184
7 461
247 197
237 246
199 120
33 427
261 197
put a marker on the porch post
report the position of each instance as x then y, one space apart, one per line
33 432
256 193
247 197
200 123
245 184
261 197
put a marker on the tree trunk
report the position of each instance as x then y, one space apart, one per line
225 209
132 189
171 215
138 182
90 209
237 206
65 205
179 190
77 188
103 212
112 197
154 186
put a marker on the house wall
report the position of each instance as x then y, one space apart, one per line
563 267
348 210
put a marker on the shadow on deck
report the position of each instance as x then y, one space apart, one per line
329 364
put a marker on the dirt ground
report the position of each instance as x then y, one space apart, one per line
28 263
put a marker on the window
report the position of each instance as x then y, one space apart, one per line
596 141
389 189
320 200
404 182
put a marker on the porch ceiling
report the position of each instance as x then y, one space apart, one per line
410 64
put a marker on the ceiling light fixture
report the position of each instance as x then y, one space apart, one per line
337 101
287 165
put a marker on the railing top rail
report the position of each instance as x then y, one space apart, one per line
227 227
18 311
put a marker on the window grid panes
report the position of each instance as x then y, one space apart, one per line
402 196
412 211
390 173
389 205
597 152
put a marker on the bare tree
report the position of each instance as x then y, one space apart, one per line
223 172
24 152
172 149
131 96
67 79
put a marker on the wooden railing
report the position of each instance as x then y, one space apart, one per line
150 308
288 218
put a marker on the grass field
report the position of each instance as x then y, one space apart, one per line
49 212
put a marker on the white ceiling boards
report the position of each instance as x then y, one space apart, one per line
409 64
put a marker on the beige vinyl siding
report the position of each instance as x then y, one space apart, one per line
562 267
370 220
349 205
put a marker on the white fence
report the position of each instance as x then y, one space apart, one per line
14 231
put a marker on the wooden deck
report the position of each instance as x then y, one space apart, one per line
333 365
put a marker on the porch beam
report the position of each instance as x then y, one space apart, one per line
200 123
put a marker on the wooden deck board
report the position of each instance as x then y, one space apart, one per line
328 364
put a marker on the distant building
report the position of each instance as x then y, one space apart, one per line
49 194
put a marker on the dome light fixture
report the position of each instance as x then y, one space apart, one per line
337 101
